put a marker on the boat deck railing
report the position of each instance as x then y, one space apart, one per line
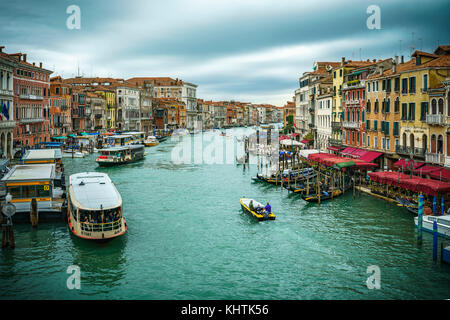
100 227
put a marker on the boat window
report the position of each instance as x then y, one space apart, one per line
432 218
43 191
28 191
443 221
15 192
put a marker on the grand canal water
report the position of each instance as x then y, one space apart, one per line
188 239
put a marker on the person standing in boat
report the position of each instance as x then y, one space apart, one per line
251 207
268 208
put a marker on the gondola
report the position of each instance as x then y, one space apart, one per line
410 206
245 204
325 195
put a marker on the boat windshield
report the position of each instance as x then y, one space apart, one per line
100 220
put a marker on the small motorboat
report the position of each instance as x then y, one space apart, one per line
443 224
151 141
258 212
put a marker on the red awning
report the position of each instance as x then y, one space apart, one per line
369 156
414 183
403 163
426 170
305 141
347 150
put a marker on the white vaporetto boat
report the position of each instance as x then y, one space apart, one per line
94 207
443 224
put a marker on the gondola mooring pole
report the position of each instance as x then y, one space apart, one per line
420 220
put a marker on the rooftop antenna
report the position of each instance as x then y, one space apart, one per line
421 43
400 42
412 43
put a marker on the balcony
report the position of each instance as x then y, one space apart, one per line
335 142
354 84
31 97
408 151
435 119
4 92
7 124
351 125
336 125
32 120
437 158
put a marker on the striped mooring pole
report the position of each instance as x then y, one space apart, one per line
435 240
420 219
434 205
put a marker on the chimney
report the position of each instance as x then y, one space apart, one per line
33 64
396 59
374 60
403 60
342 61
24 57
40 65
1 48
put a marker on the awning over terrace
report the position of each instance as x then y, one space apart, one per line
414 183
405 164
331 160
361 154
438 173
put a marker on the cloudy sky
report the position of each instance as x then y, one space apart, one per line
247 50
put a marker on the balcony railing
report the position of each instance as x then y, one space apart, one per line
336 142
7 124
405 150
31 97
336 125
32 120
437 119
351 125
434 158
6 92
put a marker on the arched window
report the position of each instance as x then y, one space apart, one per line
441 106
440 144
448 105
404 139
411 141
368 106
425 142
433 106
433 144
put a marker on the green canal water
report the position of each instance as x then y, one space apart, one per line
187 238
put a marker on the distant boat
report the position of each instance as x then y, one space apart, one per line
151 141
121 155
258 214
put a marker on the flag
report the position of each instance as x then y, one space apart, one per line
5 110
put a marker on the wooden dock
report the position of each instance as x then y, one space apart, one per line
366 190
